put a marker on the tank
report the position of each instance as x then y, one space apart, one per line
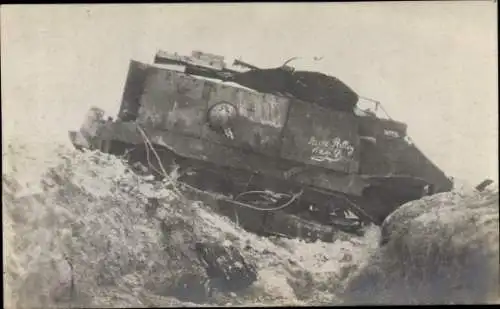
279 151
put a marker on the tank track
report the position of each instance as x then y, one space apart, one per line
259 204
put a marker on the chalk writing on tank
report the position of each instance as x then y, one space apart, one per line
333 150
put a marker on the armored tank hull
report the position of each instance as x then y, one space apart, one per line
271 161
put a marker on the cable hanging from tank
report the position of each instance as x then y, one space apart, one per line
149 146
314 58
378 104
288 61
293 197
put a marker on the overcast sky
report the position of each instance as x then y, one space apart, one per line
432 65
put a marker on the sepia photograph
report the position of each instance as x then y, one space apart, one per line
250 154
